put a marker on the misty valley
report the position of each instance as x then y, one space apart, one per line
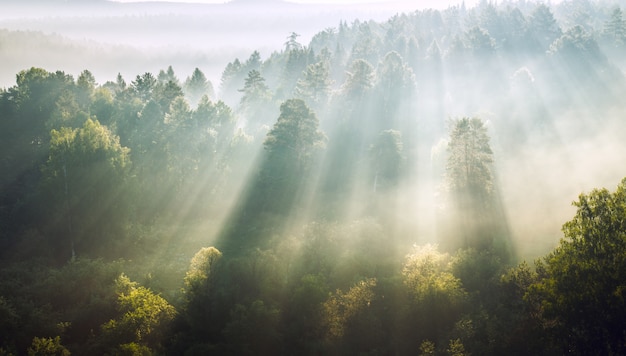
438 182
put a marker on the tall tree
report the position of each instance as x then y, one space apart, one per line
469 162
294 139
84 186
284 175
476 215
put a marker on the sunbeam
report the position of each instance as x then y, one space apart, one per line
336 178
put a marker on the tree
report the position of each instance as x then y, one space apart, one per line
290 147
386 160
395 92
181 152
143 86
435 297
475 211
581 285
253 330
103 106
201 268
282 180
143 322
34 102
493 23
67 112
314 88
516 32
303 314
468 170
615 28
202 317
543 28
168 76
480 43
166 93
366 43
84 184
47 347
256 102
577 56
359 80
425 273
197 86
350 321
295 137
254 88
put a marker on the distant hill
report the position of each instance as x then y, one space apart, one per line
257 2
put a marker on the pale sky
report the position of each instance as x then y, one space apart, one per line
419 3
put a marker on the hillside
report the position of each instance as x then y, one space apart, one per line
375 187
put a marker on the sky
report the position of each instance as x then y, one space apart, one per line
420 3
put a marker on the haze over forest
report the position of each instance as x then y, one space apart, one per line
281 178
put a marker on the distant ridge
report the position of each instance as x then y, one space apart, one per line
257 2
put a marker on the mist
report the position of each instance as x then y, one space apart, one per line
297 178
132 37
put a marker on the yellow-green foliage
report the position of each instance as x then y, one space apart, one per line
341 307
144 317
47 346
201 266
427 276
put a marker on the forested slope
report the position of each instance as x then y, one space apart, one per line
375 191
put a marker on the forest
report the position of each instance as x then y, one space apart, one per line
431 184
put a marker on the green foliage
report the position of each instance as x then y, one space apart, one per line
315 87
543 27
428 280
197 85
387 159
143 86
202 264
479 42
456 348
342 307
253 329
469 159
303 315
581 285
295 136
67 185
255 90
144 318
47 347
360 79
133 349
435 298
86 162
427 348
475 215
